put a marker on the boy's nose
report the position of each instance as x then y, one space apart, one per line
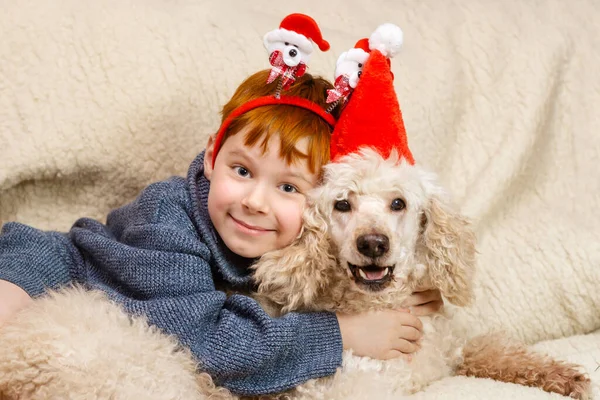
256 201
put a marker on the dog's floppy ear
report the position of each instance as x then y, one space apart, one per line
293 276
447 247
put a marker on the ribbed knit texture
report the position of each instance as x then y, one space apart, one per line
160 256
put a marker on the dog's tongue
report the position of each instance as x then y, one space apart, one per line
375 274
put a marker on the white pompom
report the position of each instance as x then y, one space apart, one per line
388 39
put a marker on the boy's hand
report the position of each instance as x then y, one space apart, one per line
382 335
424 302
12 299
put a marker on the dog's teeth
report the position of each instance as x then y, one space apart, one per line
362 274
386 272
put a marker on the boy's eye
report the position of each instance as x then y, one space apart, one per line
286 187
241 171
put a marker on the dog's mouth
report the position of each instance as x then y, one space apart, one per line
372 277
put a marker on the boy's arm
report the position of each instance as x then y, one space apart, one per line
243 348
34 260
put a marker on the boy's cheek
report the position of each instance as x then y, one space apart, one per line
220 195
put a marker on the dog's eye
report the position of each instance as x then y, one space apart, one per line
342 206
398 204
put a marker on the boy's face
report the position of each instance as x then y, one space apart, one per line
256 200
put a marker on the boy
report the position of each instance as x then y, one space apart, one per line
173 252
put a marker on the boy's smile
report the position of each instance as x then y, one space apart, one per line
256 198
250 229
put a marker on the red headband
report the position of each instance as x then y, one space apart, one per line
267 101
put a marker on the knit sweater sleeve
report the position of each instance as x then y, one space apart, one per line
247 351
35 260
154 257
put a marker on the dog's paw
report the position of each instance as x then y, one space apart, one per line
581 387
569 381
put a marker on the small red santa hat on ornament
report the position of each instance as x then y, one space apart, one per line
298 29
372 116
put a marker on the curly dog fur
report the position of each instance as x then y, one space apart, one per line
79 343
496 357
76 344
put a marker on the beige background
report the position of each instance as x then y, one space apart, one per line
501 98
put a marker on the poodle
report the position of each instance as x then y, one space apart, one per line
375 230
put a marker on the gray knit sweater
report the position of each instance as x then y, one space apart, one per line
160 256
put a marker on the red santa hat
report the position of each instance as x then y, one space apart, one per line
372 116
298 29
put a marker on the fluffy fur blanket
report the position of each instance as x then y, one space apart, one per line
97 99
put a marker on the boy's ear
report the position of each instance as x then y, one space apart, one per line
208 157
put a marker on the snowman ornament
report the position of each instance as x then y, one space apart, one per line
290 47
348 70
387 38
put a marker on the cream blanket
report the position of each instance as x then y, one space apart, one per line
502 98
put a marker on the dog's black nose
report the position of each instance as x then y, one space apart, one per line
373 245
293 53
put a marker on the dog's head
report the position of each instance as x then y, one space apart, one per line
390 227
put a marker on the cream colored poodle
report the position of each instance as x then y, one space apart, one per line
375 231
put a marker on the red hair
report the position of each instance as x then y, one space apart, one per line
290 122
